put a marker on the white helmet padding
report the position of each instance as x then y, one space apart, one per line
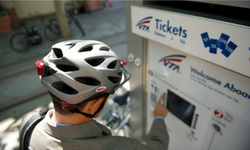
82 69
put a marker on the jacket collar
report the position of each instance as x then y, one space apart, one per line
90 129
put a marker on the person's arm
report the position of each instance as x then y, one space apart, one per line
157 138
160 110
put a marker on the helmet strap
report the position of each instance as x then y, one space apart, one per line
75 110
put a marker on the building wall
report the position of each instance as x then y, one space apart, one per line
28 9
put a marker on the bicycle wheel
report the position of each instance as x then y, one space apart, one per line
52 31
19 42
54 25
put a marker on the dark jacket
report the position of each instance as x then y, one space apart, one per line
95 136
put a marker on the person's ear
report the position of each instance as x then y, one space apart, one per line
95 105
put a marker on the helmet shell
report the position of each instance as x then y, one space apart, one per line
82 69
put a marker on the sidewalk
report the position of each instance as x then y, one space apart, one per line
20 89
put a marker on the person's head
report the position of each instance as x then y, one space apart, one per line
65 109
78 71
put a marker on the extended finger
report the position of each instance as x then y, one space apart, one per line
160 99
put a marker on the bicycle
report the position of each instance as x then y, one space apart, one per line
53 25
22 41
51 28
71 12
118 117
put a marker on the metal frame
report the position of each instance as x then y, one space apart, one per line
135 46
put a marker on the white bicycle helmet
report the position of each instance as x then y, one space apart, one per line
77 70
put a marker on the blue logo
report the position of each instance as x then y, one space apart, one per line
227 47
171 60
143 23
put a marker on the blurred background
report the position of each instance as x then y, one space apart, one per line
28 29
20 88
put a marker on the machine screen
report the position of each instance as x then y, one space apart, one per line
181 108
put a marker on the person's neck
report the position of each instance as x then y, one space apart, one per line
71 119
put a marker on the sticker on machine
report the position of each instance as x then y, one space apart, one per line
229 128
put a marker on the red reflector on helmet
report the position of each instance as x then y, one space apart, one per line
39 67
123 62
100 89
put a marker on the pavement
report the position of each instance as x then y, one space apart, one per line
20 89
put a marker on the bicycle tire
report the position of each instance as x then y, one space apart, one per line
19 42
52 31
50 35
54 25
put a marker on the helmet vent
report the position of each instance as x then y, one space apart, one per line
88 80
71 45
112 65
86 48
95 61
114 79
104 48
64 88
67 68
58 52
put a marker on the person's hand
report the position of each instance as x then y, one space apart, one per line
160 110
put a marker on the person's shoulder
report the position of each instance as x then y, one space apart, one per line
104 128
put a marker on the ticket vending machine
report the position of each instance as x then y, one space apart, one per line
202 66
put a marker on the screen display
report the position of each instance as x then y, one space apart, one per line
181 108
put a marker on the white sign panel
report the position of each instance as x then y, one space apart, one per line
208 105
222 43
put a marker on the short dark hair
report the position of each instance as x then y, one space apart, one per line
58 107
